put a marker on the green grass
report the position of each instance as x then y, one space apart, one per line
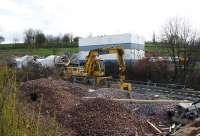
39 51
161 51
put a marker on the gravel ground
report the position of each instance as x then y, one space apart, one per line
105 117
100 116
109 93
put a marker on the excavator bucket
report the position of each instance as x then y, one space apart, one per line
126 86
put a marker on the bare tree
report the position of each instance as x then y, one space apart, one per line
66 38
2 39
15 40
178 37
154 38
29 38
49 38
34 38
75 41
40 38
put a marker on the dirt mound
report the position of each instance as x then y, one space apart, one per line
104 117
53 96
76 89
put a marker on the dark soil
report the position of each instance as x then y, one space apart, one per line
50 95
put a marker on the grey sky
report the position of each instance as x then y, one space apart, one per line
99 17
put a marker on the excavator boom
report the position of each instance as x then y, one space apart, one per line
93 68
90 59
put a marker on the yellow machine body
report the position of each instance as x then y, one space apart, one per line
95 68
126 86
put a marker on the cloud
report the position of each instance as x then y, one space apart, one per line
82 17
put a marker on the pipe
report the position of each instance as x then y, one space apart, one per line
145 101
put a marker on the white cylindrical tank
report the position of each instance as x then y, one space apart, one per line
48 61
23 61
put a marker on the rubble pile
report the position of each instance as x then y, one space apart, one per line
105 117
96 116
78 90
53 97
75 89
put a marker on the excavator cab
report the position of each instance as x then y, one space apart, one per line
99 68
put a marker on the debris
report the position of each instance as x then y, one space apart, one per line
109 93
152 125
145 101
91 90
191 129
184 113
156 96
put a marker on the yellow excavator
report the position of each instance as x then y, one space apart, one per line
93 70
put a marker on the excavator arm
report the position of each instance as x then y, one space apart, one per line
93 70
91 58
91 62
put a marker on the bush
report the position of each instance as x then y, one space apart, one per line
144 70
194 80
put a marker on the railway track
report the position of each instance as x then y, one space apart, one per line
174 91
169 92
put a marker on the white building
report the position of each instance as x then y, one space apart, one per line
133 45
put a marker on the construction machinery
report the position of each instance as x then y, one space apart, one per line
93 70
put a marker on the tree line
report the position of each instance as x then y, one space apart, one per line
35 38
182 44
2 39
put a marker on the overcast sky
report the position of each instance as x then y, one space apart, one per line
96 17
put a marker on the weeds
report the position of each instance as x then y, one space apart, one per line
14 121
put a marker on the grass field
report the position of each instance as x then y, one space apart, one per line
161 51
40 51
50 51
